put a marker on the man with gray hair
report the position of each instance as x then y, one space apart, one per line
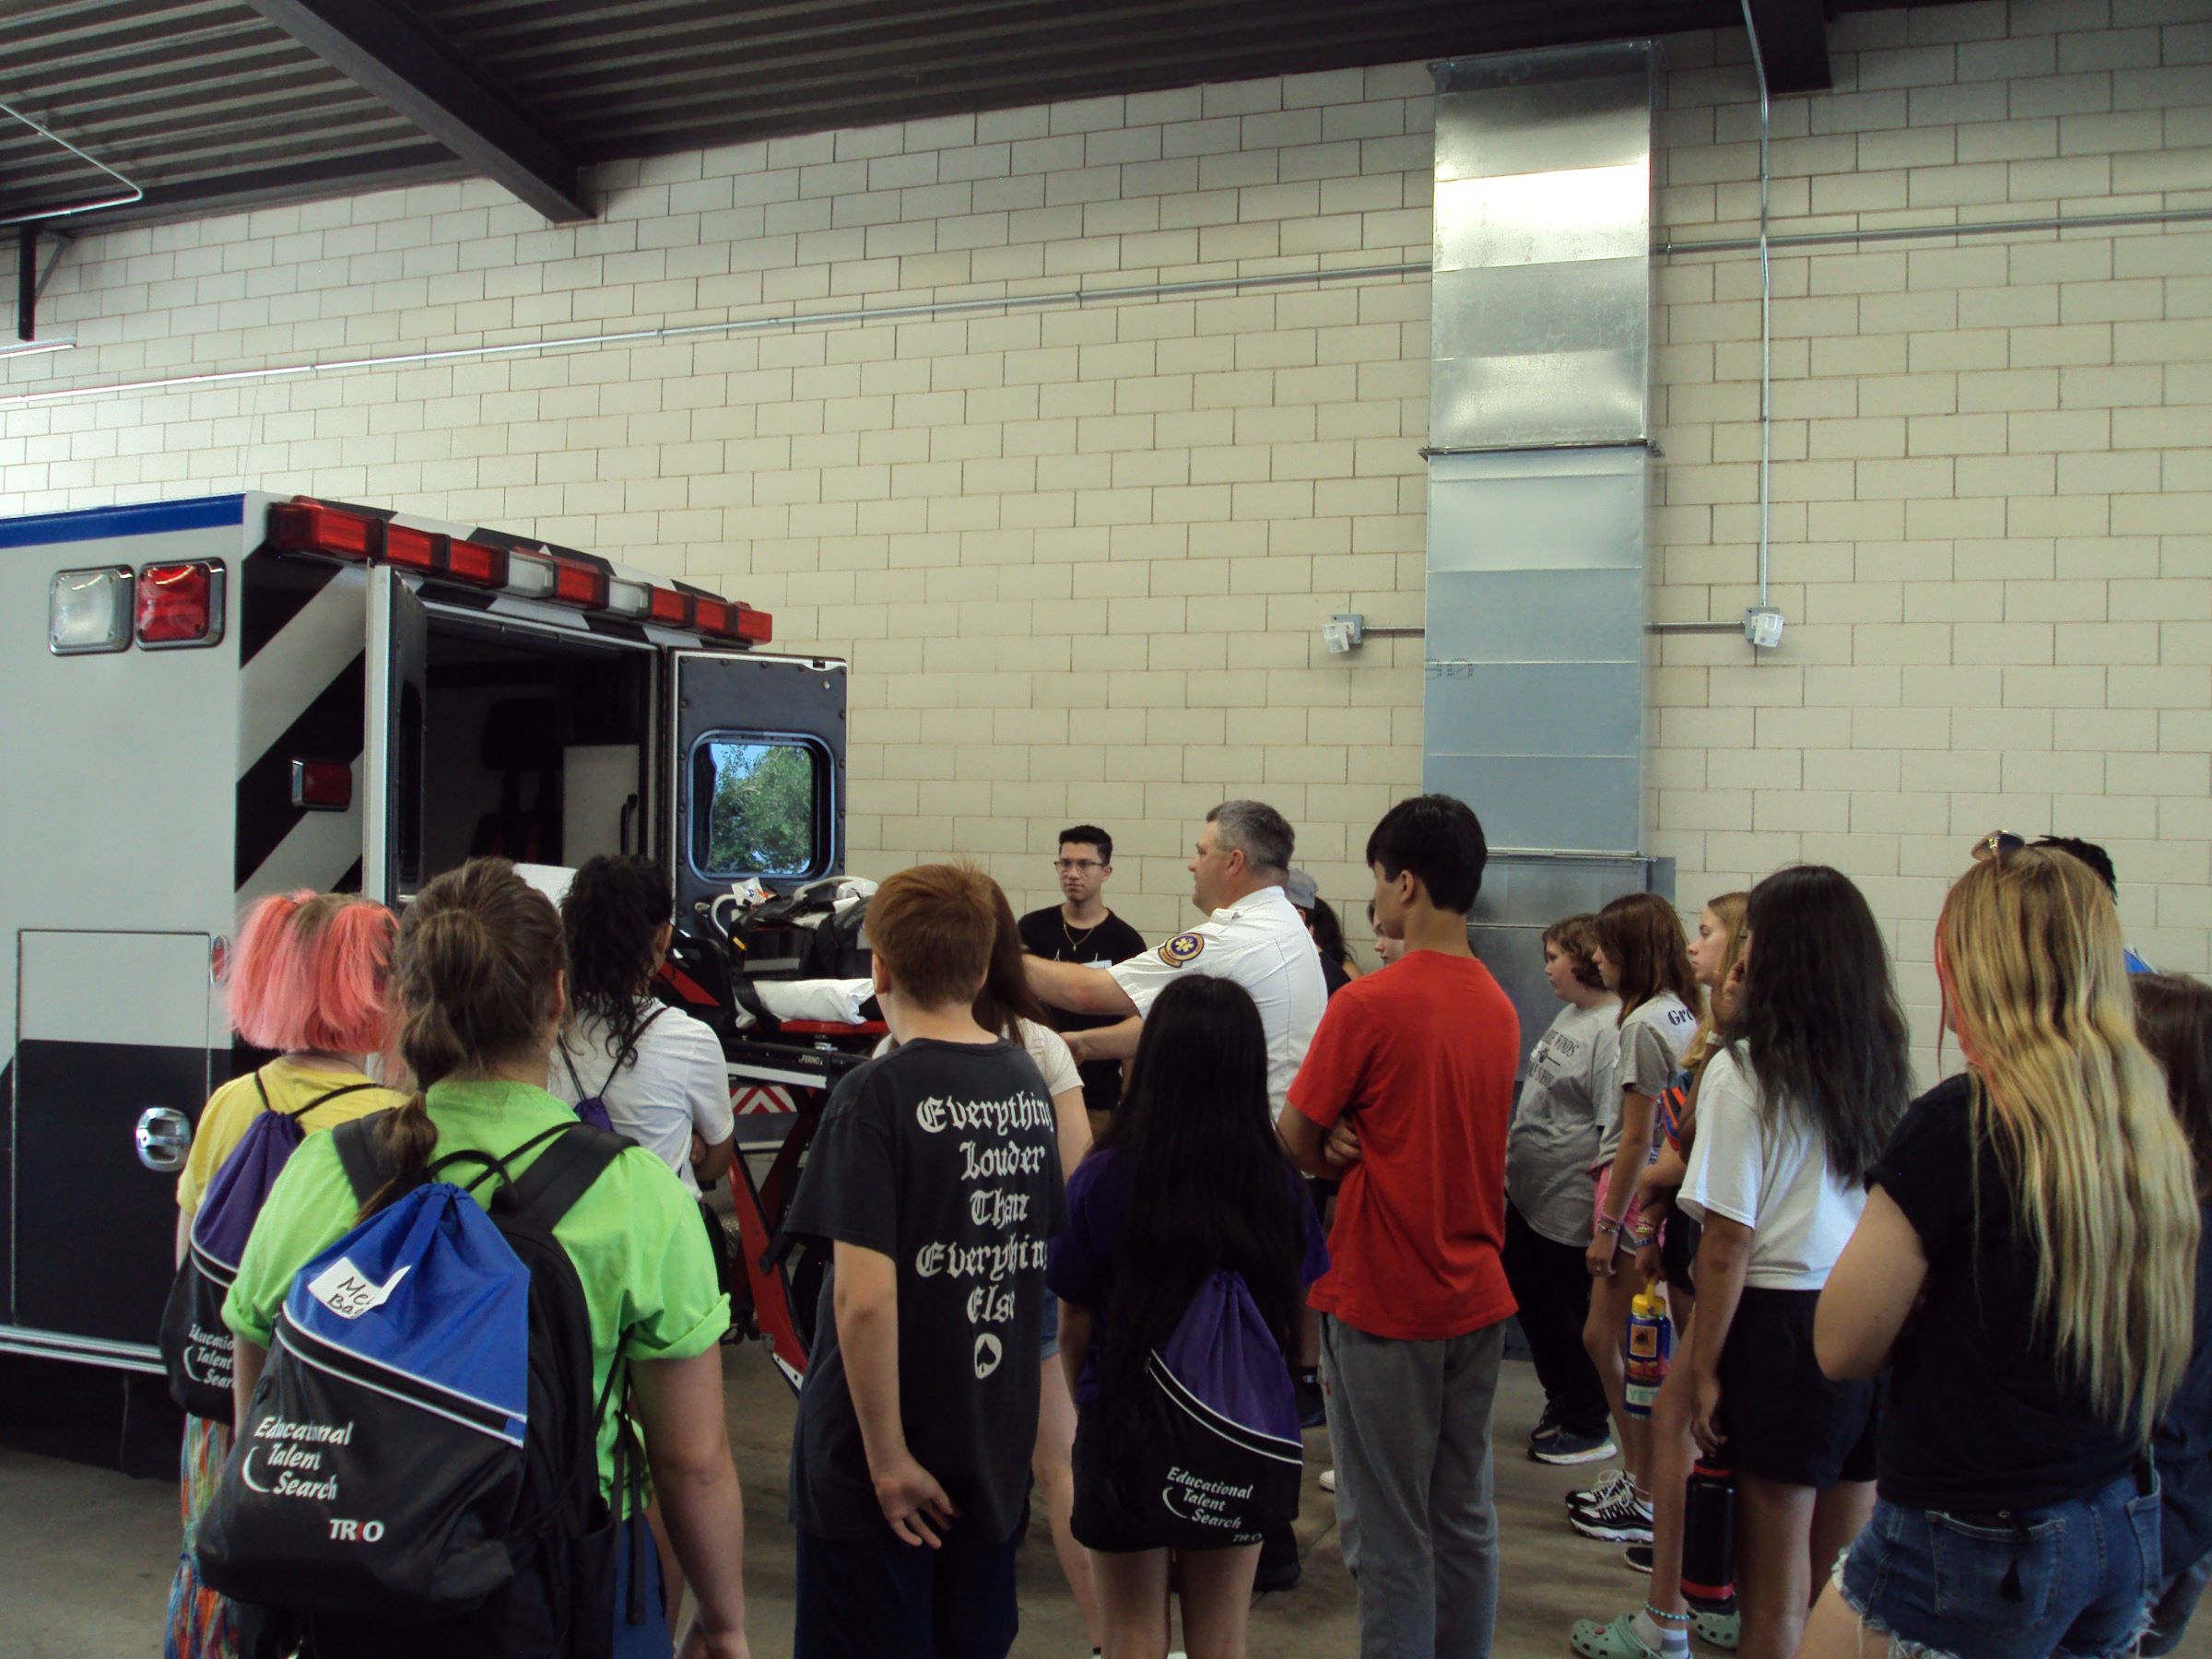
1250 934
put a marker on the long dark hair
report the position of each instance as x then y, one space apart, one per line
613 909
1818 1016
2173 1016
1209 1187
1328 932
1643 935
476 971
1005 995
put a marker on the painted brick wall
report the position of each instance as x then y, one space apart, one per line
1079 554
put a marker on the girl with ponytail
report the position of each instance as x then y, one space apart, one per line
308 979
480 977
2025 1272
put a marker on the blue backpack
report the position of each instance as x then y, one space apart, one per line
1207 1454
195 1344
418 1472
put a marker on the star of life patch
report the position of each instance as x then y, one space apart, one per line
1182 950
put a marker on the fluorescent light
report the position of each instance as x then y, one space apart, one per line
30 347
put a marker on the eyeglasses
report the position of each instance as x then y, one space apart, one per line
1069 867
1996 843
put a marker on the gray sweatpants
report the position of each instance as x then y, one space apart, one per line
1409 1423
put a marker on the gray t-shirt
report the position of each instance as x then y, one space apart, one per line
1572 1087
1654 1037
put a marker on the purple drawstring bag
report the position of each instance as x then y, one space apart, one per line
1208 1454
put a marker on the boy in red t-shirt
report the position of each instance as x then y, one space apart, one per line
1407 1094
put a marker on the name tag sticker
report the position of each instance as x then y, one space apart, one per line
346 1291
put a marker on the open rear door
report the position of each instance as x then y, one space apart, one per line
758 764
399 666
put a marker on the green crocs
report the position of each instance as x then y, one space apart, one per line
1615 1640
1718 1629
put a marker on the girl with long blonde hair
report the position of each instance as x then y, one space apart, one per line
2025 1268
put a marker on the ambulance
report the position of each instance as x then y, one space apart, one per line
210 700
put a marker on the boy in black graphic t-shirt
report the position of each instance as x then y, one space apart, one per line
936 1180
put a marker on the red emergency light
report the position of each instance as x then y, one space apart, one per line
180 605
305 526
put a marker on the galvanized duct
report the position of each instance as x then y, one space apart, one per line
1540 330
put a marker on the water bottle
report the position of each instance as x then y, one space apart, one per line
1648 1345
1708 1535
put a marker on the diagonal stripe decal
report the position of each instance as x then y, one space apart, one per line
330 728
276 590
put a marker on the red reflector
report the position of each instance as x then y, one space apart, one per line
757 626
475 561
575 584
180 604
670 606
322 785
301 527
717 617
412 550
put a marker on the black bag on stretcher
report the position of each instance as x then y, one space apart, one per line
1207 1454
417 1474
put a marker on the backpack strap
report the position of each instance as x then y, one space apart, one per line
614 1070
323 1098
567 1060
360 1155
544 1192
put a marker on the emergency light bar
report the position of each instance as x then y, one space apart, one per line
304 526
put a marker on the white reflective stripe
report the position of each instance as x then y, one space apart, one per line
390 1370
344 1375
296 665
1211 1420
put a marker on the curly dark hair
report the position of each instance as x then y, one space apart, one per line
614 909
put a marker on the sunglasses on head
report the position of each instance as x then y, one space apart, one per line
1996 843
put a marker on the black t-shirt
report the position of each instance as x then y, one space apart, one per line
1980 1417
1048 933
941 1156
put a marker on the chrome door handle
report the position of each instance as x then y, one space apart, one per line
164 1136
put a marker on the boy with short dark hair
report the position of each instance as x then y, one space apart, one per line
1407 1091
935 1179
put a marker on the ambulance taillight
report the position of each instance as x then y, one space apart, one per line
88 611
180 605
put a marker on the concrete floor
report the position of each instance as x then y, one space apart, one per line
86 1555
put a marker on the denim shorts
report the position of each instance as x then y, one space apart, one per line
2074 1579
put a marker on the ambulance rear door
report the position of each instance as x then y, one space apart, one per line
757 771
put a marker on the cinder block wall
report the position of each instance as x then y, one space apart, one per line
1079 554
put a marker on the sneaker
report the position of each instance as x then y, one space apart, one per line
1546 1426
1566 1446
1622 1519
1328 1480
1610 1482
1721 1630
1637 1558
1615 1640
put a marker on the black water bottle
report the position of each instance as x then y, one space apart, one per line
1708 1536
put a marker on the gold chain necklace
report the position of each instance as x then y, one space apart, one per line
1067 932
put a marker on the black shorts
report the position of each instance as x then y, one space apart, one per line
1678 1250
1785 1421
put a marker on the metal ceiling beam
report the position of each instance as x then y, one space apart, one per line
1793 36
384 48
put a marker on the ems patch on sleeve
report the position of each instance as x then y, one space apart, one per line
1182 950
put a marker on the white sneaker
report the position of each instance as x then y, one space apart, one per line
1328 1480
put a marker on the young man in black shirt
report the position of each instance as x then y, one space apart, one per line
936 1180
1081 929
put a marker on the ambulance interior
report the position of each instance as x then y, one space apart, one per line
534 748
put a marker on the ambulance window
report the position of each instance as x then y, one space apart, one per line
756 806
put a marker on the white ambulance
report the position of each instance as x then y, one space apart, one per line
209 701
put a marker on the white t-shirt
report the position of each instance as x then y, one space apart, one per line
1046 1047
1572 1084
1262 943
1759 1164
679 1083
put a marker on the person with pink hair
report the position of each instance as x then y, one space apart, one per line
308 979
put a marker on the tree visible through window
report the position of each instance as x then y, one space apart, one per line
760 815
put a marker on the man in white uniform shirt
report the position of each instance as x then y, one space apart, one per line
1250 934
